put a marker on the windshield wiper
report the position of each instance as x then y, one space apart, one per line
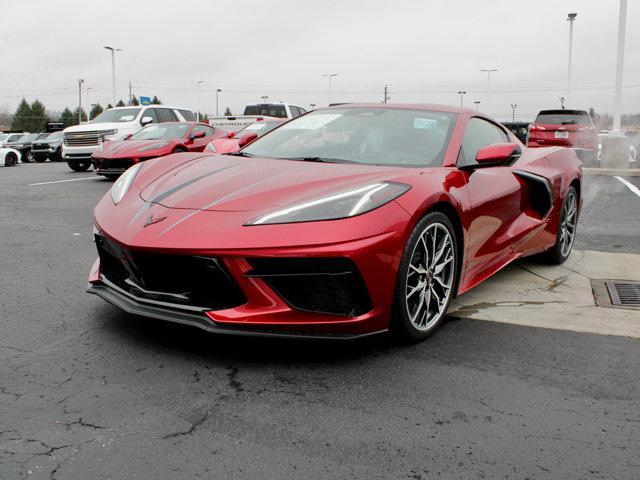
240 154
319 159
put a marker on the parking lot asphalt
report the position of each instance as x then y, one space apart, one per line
87 391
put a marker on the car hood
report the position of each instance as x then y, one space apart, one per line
227 183
92 127
127 148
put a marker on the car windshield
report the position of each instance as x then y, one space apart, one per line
562 118
55 136
43 135
162 131
117 115
259 127
27 138
3 136
267 109
370 136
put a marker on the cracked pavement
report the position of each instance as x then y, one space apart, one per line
87 391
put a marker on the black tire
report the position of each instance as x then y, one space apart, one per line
57 156
111 177
79 165
26 156
559 253
40 158
403 323
10 159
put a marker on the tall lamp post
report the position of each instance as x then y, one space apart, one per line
88 103
461 93
198 98
80 82
489 71
570 18
477 102
113 51
513 111
330 76
264 98
622 25
217 99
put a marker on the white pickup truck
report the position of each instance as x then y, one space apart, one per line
256 111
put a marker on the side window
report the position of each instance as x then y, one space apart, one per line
478 134
166 115
188 115
294 111
203 128
150 112
302 110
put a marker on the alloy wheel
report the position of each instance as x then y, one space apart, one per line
568 224
430 276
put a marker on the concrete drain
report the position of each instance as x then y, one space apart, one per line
616 293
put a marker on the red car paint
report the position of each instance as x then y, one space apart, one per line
231 144
116 156
204 202
564 128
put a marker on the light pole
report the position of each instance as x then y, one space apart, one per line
198 98
489 70
622 25
461 93
264 98
217 99
80 82
88 103
477 102
330 76
570 18
561 102
113 71
312 105
513 111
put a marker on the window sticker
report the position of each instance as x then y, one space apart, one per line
311 122
424 123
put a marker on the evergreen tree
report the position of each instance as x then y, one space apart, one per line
95 110
120 104
109 106
204 118
38 117
134 101
83 115
67 118
227 112
155 101
21 119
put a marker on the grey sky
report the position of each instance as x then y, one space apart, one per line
425 50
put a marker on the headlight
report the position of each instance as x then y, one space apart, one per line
109 134
122 185
340 205
154 146
210 147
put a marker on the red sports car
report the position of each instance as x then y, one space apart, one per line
156 140
234 141
344 222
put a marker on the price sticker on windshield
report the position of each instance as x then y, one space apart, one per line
424 123
310 122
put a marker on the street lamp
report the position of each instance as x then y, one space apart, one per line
513 111
561 102
217 99
489 70
198 98
622 24
461 93
88 103
477 102
330 76
113 51
80 82
570 18
264 98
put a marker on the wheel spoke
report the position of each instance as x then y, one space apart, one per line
438 268
418 287
444 285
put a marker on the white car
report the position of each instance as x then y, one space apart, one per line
9 157
255 111
80 141
9 137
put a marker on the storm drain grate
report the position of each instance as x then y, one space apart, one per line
624 293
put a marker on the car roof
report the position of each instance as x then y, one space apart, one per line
563 110
405 106
152 105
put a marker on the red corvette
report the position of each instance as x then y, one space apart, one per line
156 140
234 141
344 222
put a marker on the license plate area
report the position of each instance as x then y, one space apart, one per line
562 134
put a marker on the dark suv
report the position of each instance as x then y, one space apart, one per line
47 145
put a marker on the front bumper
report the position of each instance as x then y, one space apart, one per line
77 153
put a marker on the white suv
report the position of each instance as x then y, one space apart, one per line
80 141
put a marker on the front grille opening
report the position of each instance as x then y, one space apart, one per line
319 285
624 293
112 163
202 282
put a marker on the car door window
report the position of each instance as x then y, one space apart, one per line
166 115
150 112
294 111
187 115
202 128
478 134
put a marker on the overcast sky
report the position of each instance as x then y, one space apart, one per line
425 50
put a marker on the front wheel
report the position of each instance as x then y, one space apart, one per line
566 229
427 278
79 165
10 159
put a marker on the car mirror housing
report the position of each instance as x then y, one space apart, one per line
146 121
247 138
497 153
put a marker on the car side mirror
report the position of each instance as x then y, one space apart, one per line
146 121
247 138
200 134
231 134
497 153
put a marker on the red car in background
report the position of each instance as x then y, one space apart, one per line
565 128
234 141
156 140
344 222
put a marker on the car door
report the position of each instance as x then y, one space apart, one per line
494 195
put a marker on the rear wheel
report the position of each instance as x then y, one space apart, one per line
427 278
40 158
566 229
79 165
10 159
